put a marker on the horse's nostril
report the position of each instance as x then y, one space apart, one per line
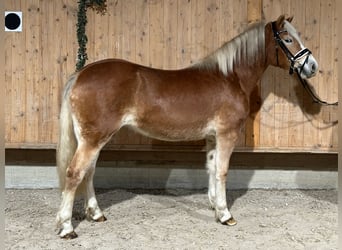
313 67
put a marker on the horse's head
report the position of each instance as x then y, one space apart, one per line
290 51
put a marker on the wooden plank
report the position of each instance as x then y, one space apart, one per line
18 87
184 45
9 5
252 128
326 67
177 147
295 97
9 76
128 38
72 46
254 11
142 32
334 88
171 34
225 22
49 60
53 66
240 20
144 158
311 39
282 91
91 28
156 38
115 28
61 71
197 30
33 70
100 27
212 8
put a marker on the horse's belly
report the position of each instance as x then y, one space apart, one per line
172 134
169 130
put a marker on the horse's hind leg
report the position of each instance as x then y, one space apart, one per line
83 160
93 211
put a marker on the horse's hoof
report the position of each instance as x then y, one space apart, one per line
70 236
230 222
101 219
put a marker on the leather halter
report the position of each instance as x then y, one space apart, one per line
293 60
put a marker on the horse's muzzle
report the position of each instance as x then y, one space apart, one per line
309 68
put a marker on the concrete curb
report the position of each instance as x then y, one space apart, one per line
40 177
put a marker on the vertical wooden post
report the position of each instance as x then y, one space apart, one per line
254 14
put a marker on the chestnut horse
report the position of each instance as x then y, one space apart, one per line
208 100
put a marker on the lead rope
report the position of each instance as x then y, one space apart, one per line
314 96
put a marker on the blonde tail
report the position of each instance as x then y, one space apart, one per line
67 141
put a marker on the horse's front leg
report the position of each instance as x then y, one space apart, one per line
211 167
224 149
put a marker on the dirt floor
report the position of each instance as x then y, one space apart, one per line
177 219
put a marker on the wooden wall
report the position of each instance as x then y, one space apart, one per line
168 34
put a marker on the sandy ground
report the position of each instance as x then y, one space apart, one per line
177 219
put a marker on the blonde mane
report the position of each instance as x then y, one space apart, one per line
246 47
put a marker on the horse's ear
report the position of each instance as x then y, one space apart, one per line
289 19
280 21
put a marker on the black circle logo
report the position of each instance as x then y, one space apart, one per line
12 21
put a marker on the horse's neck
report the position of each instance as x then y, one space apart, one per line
250 75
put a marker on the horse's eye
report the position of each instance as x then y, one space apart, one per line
288 40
